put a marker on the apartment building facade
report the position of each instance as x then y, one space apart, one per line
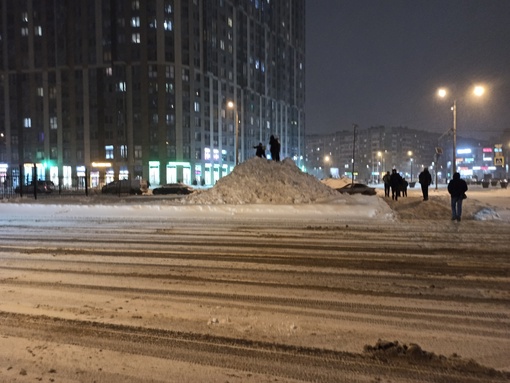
165 90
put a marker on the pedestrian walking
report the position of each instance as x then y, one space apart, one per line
404 186
386 180
425 180
395 182
457 188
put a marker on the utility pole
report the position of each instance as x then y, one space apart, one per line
353 153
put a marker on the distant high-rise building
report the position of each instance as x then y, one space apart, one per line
99 90
376 150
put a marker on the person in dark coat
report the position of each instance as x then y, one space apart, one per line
386 180
277 150
457 188
395 182
274 148
425 180
260 150
404 186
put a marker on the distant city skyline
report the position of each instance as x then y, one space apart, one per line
376 62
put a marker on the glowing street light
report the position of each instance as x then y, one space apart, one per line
478 91
231 105
327 165
410 153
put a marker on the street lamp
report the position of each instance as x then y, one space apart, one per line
354 126
379 156
410 153
327 166
478 91
233 106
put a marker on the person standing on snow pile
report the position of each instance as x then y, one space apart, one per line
260 150
425 180
386 180
457 188
395 182
274 148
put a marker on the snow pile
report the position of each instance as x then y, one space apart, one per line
261 181
486 214
387 351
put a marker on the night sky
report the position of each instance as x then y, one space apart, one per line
380 62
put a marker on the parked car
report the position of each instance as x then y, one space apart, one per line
176 188
42 187
124 186
357 189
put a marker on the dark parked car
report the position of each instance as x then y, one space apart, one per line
177 188
123 186
42 187
357 189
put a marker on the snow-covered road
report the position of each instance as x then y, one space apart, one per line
169 293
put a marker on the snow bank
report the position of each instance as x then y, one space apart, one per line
261 181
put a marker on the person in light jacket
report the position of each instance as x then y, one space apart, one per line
457 188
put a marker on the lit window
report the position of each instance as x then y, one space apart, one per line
135 4
197 106
138 151
53 123
24 31
121 86
109 71
169 71
185 75
38 31
40 92
168 25
135 38
27 122
24 17
108 152
135 22
123 151
230 23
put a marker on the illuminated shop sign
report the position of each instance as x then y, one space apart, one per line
487 150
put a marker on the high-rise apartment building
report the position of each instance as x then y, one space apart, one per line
99 90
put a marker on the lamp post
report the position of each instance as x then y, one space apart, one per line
443 92
231 105
379 155
353 153
327 166
410 153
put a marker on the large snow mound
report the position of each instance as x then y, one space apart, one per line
262 181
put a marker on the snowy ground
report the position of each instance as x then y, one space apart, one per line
268 276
